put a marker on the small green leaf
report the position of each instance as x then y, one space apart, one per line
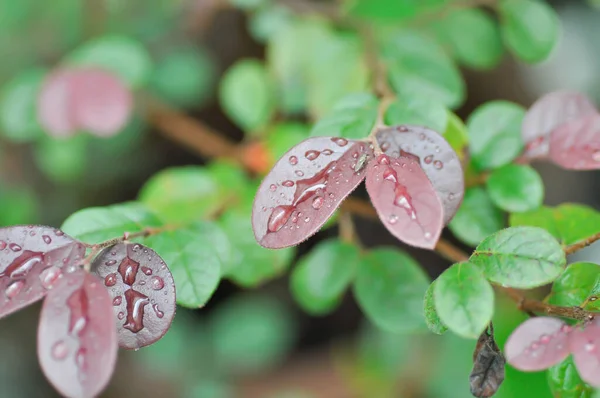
352 117
418 111
269 21
520 257
123 55
516 188
251 334
97 224
530 28
249 4
456 133
284 136
389 288
321 277
18 104
495 134
565 382
464 300
62 160
432 319
18 206
195 255
182 194
476 218
578 285
382 10
569 223
247 96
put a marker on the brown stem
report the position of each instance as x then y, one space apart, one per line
442 12
346 227
580 245
476 180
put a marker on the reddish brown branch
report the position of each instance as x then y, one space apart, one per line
580 245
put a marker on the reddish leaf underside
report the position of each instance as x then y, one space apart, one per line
32 259
142 291
538 343
576 145
437 159
546 114
405 200
77 339
305 187
585 346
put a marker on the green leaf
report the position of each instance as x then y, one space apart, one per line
251 334
578 285
184 77
97 224
495 134
530 28
456 133
569 223
269 21
464 300
476 218
284 136
520 257
352 117
62 160
473 36
383 10
565 382
18 104
516 188
418 66
249 4
432 319
182 194
390 287
194 255
18 205
419 111
246 95
321 277
124 56
252 264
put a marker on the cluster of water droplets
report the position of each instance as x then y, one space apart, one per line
537 347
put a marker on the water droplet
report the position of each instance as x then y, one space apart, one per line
136 247
159 313
80 358
128 270
438 164
58 232
146 270
393 219
2 245
145 251
273 187
437 149
596 156
327 152
390 175
288 183
78 326
136 302
14 289
450 196
534 346
589 347
317 202
307 219
355 155
566 328
332 195
385 146
32 233
383 159
545 339
279 216
47 239
293 160
111 262
117 301
428 159
59 350
299 173
14 247
110 279
402 128
340 141
21 266
113 253
157 283
427 235
49 276
120 315
312 154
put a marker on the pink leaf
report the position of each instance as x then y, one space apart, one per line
576 145
538 343
142 291
102 103
55 104
437 159
32 259
549 112
585 346
305 187
77 339
405 200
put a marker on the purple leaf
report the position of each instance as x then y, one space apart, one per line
538 343
77 339
405 200
549 112
437 158
305 187
585 346
142 291
576 145
32 259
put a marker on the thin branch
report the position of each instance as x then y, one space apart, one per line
441 13
331 11
346 227
580 245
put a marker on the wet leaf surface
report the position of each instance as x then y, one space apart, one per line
405 200
538 343
488 366
142 291
585 346
305 187
549 112
576 145
77 339
32 259
436 157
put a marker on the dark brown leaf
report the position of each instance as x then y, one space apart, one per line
488 366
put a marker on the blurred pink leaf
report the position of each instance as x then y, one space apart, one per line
576 145
585 346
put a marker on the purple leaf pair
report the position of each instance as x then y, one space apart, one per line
416 185
564 127
542 342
